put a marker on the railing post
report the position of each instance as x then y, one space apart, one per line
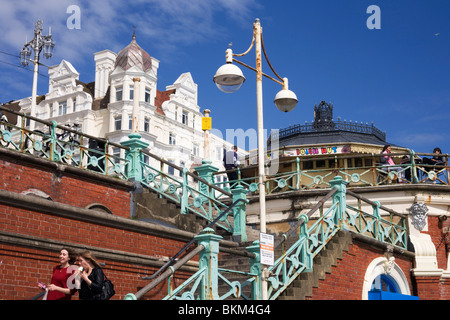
413 168
340 196
240 218
206 171
376 226
255 268
208 259
54 140
134 168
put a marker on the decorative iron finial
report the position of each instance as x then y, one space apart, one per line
134 32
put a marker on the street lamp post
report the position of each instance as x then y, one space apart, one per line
229 78
38 43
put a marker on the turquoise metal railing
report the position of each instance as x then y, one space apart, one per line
312 232
375 174
312 239
63 144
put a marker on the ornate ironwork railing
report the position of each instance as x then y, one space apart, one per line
58 143
64 144
330 126
417 171
311 233
312 239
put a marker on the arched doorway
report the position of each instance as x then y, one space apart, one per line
384 280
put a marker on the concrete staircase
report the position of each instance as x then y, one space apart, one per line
302 286
152 208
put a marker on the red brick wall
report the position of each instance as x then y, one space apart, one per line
21 267
63 187
345 282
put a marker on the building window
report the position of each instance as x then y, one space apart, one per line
184 118
131 92
196 149
170 169
182 164
171 139
147 95
27 120
147 124
119 91
118 123
130 121
74 104
62 108
219 153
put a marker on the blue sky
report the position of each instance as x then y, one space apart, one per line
397 76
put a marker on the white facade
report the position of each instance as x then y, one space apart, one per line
169 121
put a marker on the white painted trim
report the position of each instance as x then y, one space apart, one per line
378 267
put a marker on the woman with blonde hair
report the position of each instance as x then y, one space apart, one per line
92 277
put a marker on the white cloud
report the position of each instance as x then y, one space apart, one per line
105 22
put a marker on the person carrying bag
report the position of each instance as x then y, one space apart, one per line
94 285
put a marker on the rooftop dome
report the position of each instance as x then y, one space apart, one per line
133 55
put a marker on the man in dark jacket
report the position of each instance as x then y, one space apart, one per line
231 162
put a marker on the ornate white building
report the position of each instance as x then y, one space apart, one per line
125 84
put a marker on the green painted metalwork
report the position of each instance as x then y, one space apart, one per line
134 157
62 144
239 216
202 202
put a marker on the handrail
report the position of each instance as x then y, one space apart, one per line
169 272
62 127
212 223
39 295
188 173
374 204
299 222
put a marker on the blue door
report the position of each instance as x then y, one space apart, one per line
384 288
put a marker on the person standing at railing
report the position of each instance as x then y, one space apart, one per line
437 158
58 288
389 162
231 162
4 120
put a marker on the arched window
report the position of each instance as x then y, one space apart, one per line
385 284
384 279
